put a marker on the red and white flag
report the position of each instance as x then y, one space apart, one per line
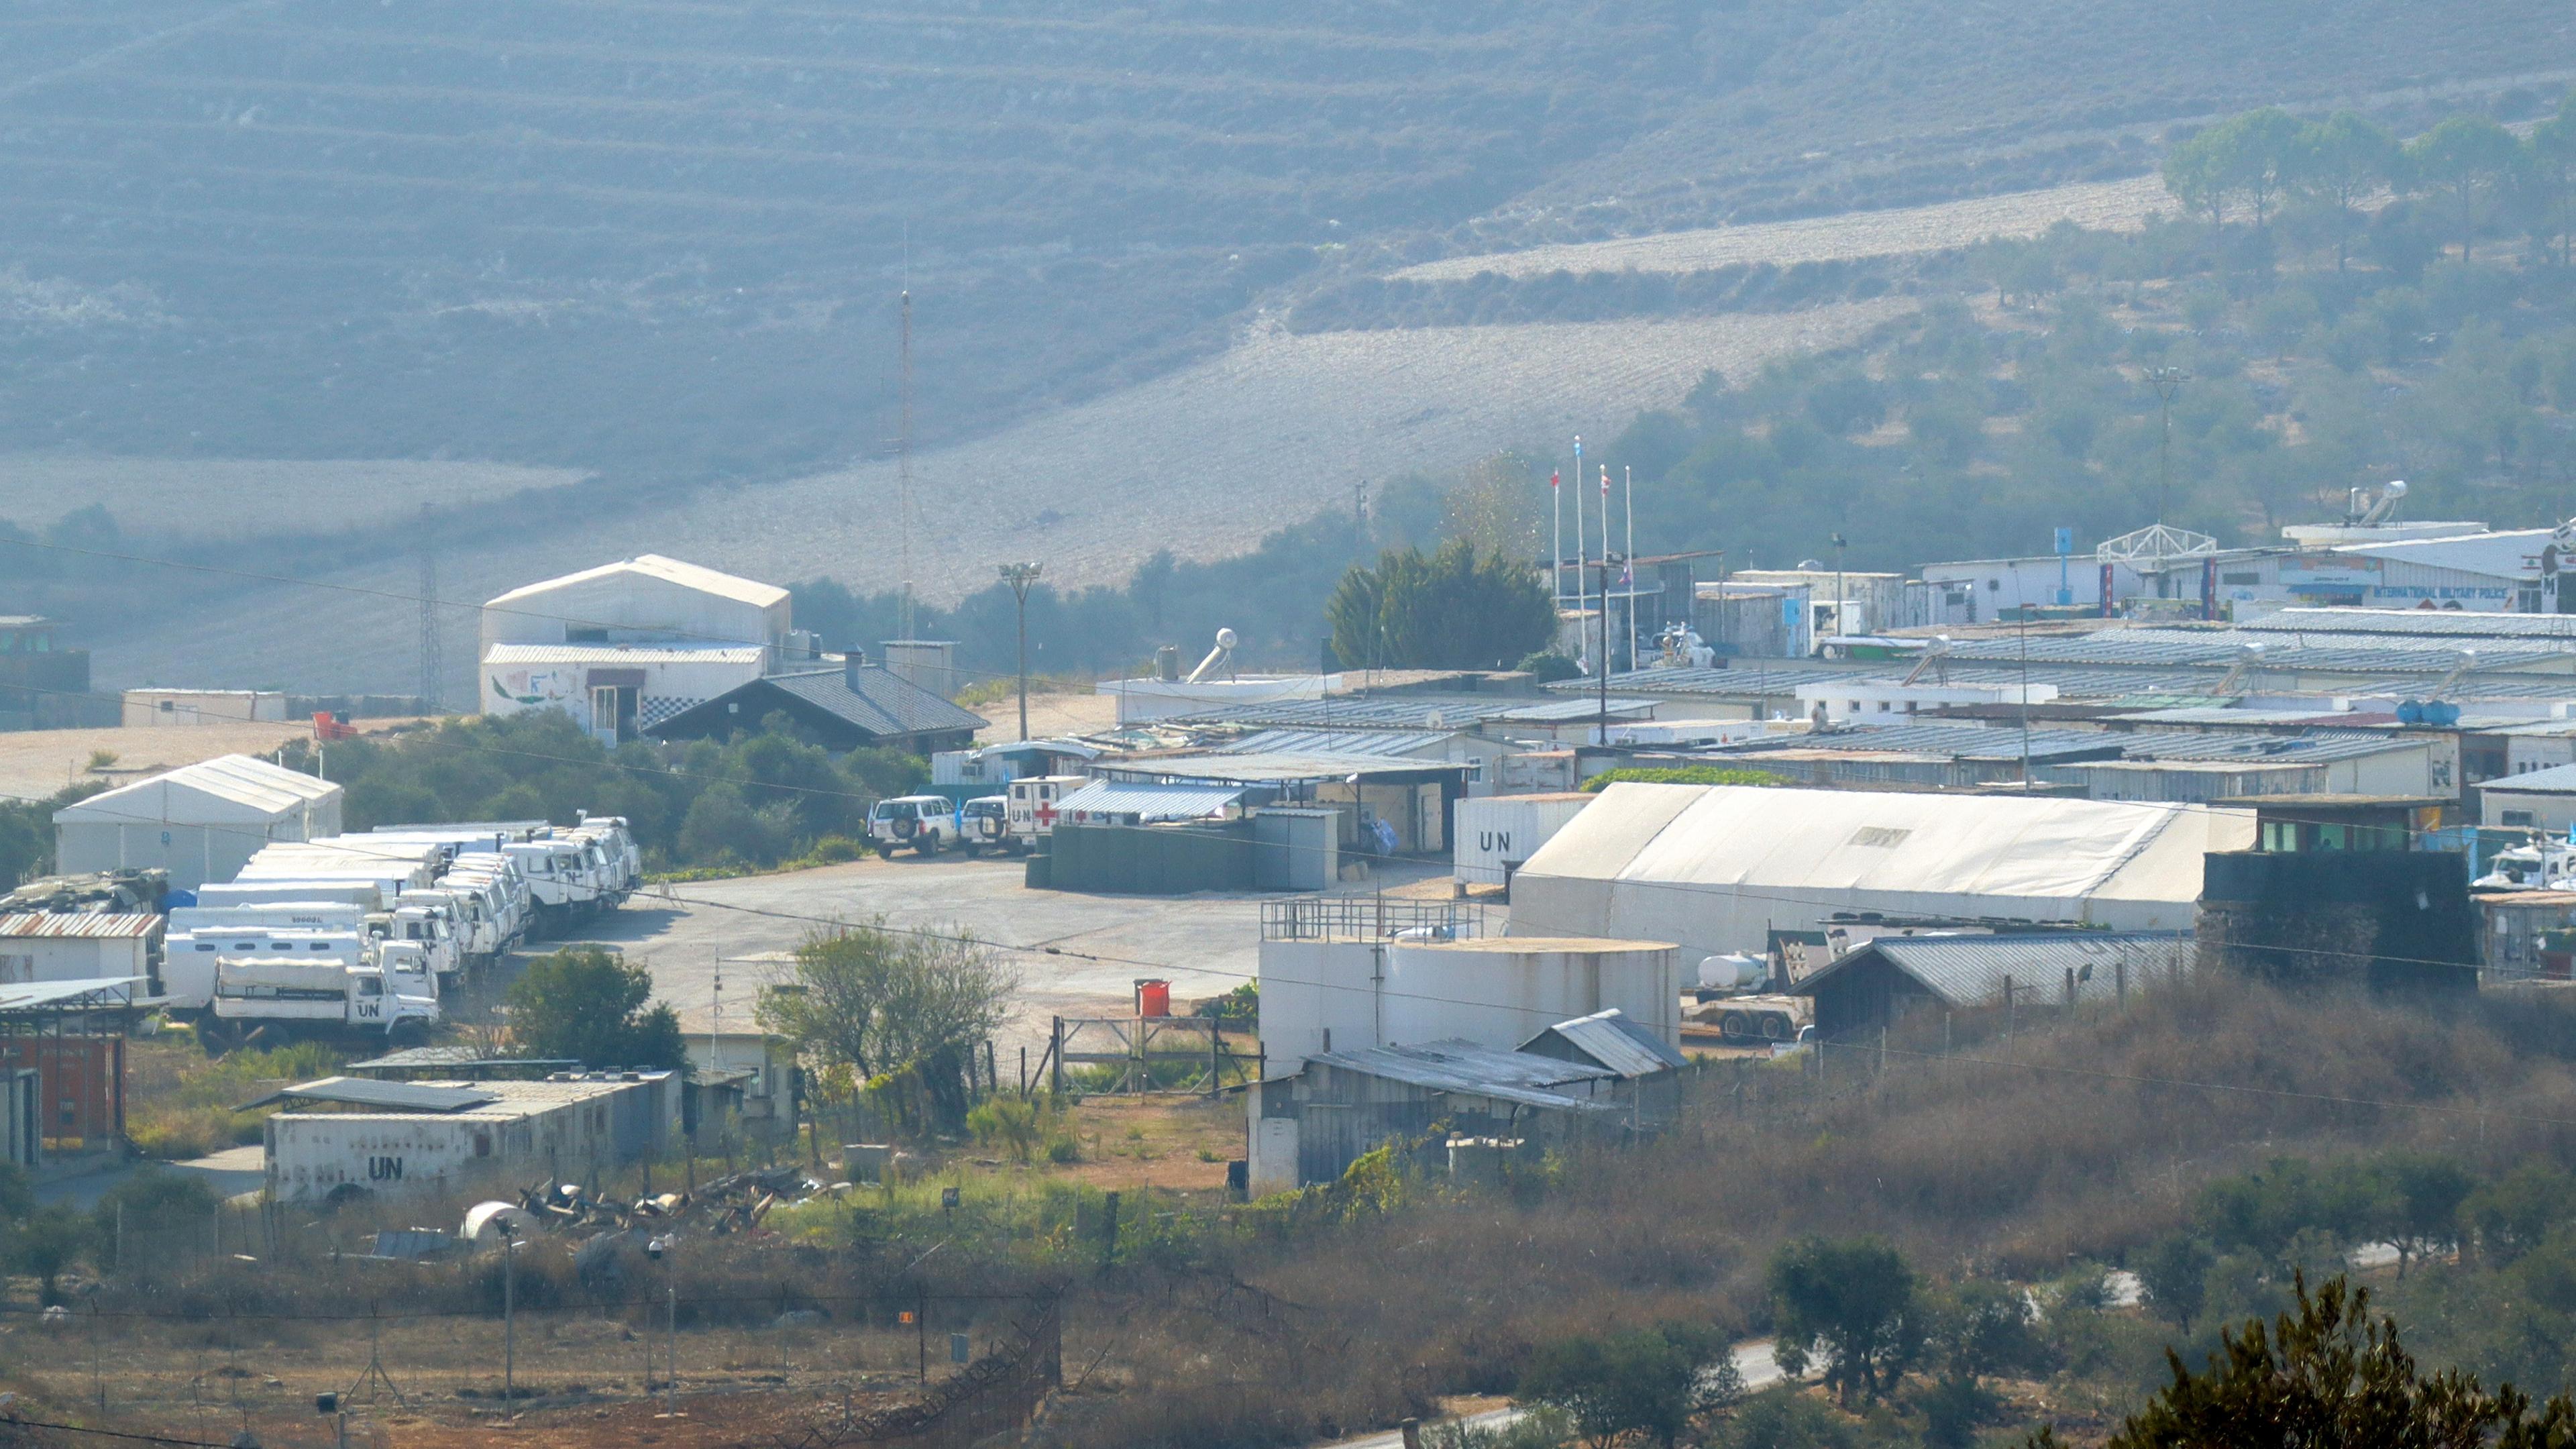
1555 479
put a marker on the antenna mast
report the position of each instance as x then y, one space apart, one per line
432 662
903 467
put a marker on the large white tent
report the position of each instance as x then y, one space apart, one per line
1717 867
199 822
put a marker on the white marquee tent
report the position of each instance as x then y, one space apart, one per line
1715 867
199 822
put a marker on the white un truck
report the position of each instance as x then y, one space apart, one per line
273 1000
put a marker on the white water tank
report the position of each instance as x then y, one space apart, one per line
1733 971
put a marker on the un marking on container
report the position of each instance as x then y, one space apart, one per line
384 1169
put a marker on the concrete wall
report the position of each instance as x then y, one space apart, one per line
145 708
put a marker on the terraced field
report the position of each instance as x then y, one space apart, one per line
1203 462
229 497
2100 205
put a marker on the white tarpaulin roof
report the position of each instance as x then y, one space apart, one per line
226 790
1715 867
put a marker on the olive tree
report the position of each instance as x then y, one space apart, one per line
882 1001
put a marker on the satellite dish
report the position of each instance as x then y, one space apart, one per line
1437 719
2396 488
1225 638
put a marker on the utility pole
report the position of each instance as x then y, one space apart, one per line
2025 699
1019 576
509 1319
903 464
2166 381
1841 605
1604 679
432 664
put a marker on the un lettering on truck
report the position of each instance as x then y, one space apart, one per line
1497 832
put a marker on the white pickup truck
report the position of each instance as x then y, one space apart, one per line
927 823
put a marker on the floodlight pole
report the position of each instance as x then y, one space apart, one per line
1019 576
2166 381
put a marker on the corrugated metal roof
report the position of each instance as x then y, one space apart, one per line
668 570
2424 623
1617 1042
1467 1069
1945 741
1336 742
1971 970
623 654
78 925
1417 711
2313 748
36 995
381 1096
1152 802
2556 780
1267 769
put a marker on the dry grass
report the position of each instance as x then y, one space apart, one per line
1214 456
2004 1159
2097 205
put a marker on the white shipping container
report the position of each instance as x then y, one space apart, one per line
1497 832
558 1128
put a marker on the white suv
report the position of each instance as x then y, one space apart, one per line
927 823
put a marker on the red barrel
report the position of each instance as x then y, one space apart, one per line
1153 998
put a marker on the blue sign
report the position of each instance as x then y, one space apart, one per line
2065 541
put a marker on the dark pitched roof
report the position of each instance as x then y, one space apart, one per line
884 704
1613 1041
1971 970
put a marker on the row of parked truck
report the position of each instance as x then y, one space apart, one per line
363 935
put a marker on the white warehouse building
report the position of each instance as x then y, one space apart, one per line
200 822
1717 868
627 645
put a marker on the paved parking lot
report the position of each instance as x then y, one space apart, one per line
1202 944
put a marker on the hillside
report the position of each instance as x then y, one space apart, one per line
1202 462
656 247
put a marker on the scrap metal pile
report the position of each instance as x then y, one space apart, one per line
735 1203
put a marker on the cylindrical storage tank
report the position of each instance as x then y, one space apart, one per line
1499 993
1495 833
1317 997
1153 998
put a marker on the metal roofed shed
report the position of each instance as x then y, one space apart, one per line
1717 867
1608 1040
1415 800
78 946
1875 986
1133 802
377 1095
1310 1126
71 1035
563 1127
199 822
457 1061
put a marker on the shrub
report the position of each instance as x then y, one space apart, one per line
1008 1122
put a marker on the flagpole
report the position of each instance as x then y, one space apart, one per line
1628 483
1605 590
1580 552
1556 544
